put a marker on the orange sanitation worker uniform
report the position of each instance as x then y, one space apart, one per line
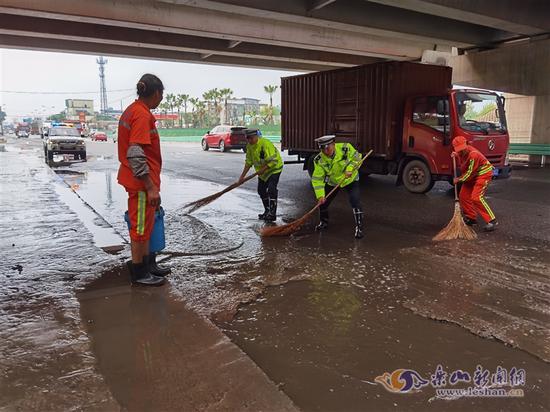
477 174
137 126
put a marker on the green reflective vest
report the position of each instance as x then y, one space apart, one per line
262 153
330 170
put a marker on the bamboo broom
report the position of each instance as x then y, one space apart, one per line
197 204
457 228
294 226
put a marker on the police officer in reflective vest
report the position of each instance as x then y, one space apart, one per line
337 162
264 156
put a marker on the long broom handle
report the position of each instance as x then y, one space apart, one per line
454 174
317 206
246 179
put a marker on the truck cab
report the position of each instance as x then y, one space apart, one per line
431 122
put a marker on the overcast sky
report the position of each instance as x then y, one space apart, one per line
34 71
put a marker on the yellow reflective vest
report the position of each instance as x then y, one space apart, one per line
262 153
330 170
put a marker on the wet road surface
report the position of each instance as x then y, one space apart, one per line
76 336
323 314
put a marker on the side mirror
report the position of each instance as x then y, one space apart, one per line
443 106
208 132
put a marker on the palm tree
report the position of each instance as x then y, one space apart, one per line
163 108
270 89
171 102
201 112
194 102
183 100
209 97
226 94
213 98
180 101
253 116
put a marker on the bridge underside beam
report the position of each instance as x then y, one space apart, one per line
72 46
15 25
189 19
528 17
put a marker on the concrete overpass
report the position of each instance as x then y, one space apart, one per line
288 34
498 44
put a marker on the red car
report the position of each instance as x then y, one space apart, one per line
99 137
225 138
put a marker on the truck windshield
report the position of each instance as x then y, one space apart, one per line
480 112
69 131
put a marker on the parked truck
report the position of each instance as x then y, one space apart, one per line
408 113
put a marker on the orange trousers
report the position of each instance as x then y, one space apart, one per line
472 198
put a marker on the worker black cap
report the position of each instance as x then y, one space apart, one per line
252 132
324 141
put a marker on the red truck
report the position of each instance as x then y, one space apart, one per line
408 113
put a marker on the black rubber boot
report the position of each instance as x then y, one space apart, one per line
470 222
358 215
272 211
265 202
140 275
154 268
492 225
323 220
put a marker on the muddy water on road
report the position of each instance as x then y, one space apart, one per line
157 355
325 343
45 361
325 339
221 262
358 302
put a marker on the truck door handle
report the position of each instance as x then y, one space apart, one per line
437 139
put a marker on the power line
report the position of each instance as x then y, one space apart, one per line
44 92
113 101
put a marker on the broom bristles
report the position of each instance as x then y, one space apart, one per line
456 229
288 229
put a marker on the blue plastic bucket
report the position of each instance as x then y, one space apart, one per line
157 241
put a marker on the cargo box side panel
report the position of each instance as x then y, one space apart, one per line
362 105
345 106
375 110
306 110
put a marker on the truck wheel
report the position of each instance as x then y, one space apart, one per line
417 177
83 156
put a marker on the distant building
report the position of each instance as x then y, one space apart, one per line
113 112
80 110
239 111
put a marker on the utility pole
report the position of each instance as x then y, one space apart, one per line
2 118
102 89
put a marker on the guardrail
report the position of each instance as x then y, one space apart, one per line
531 149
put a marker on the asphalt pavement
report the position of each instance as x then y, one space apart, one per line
335 323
